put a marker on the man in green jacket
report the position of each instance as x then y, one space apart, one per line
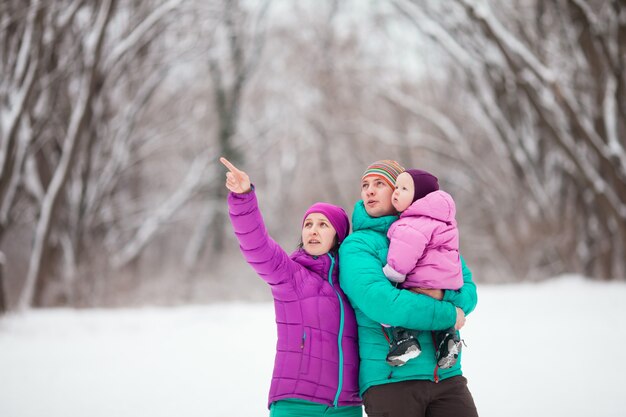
418 388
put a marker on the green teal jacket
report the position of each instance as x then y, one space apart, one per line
376 300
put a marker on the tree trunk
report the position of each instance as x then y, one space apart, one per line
3 296
78 121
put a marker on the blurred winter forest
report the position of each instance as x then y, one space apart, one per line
114 113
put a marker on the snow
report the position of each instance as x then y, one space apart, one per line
547 349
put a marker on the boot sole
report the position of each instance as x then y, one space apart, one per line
399 360
450 360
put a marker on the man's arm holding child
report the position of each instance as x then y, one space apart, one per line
465 297
368 289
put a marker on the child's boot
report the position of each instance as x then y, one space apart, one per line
448 347
402 347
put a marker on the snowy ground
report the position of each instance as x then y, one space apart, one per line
551 349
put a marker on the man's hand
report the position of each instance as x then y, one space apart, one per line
237 181
460 319
436 294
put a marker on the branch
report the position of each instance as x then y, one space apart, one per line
77 122
108 176
136 37
510 47
10 122
152 223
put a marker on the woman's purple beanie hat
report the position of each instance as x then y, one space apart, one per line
335 215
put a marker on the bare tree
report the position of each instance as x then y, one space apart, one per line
20 63
113 115
547 82
65 147
234 54
3 297
78 120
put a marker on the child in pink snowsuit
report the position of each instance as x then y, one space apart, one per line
423 253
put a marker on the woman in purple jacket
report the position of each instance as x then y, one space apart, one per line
317 362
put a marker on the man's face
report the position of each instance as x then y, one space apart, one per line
376 196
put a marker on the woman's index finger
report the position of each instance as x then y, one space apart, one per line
228 165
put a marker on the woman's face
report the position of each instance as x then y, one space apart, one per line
403 195
376 196
318 235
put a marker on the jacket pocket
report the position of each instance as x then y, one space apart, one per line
305 350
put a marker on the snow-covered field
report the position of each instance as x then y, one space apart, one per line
550 349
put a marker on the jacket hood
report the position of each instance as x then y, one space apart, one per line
438 205
361 220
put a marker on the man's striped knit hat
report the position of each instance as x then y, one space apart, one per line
387 169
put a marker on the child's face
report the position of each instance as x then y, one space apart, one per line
402 197
318 234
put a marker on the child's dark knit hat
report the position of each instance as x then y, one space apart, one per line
424 182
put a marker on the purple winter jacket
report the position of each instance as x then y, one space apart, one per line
317 355
424 245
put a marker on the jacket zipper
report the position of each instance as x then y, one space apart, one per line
435 376
340 335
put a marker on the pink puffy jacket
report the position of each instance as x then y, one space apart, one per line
424 245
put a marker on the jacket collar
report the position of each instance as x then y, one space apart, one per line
363 221
317 264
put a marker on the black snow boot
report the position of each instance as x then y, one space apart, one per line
403 346
448 346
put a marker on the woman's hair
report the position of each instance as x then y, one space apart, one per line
334 248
